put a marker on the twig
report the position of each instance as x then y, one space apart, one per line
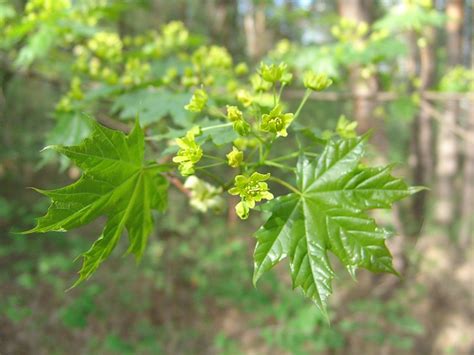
178 184
459 131
379 96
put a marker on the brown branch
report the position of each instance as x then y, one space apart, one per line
178 184
447 96
29 73
459 131
380 96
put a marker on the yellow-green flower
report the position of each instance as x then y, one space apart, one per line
258 84
214 57
316 81
276 121
76 91
198 101
189 78
243 143
170 75
189 153
346 128
251 189
241 69
237 118
241 127
204 196
244 97
235 158
286 78
234 114
106 45
273 73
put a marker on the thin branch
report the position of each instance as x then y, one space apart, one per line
433 113
178 184
380 96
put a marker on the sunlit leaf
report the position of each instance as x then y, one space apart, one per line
115 183
329 214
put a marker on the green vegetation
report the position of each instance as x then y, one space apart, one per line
176 138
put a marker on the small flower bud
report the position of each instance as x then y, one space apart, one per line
316 81
235 158
198 101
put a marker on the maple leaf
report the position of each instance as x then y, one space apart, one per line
329 214
115 183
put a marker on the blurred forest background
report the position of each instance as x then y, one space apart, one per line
401 67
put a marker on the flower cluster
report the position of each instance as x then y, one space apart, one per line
276 121
241 69
235 158
236 116
204 196
174 35
189 153
136 72
316 81
251 189
214 57
259 84
273 73
346 128
106 45
74 96
198 101
244 97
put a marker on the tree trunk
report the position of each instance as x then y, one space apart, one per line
467 208
255 32
447 143
364 89
224 22
422 127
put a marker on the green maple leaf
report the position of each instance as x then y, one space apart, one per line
115 183
329 214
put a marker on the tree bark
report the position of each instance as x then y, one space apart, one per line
467 209
447 149
224 22
364 89
256 34
422 127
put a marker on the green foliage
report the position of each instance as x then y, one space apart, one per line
227 117
458 79
150 106
115 183
327 213
411 15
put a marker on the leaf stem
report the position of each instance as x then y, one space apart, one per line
276 165
213 157
217 126
210 165
274 95
284 183
285 157
281 91
216 112
303 101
